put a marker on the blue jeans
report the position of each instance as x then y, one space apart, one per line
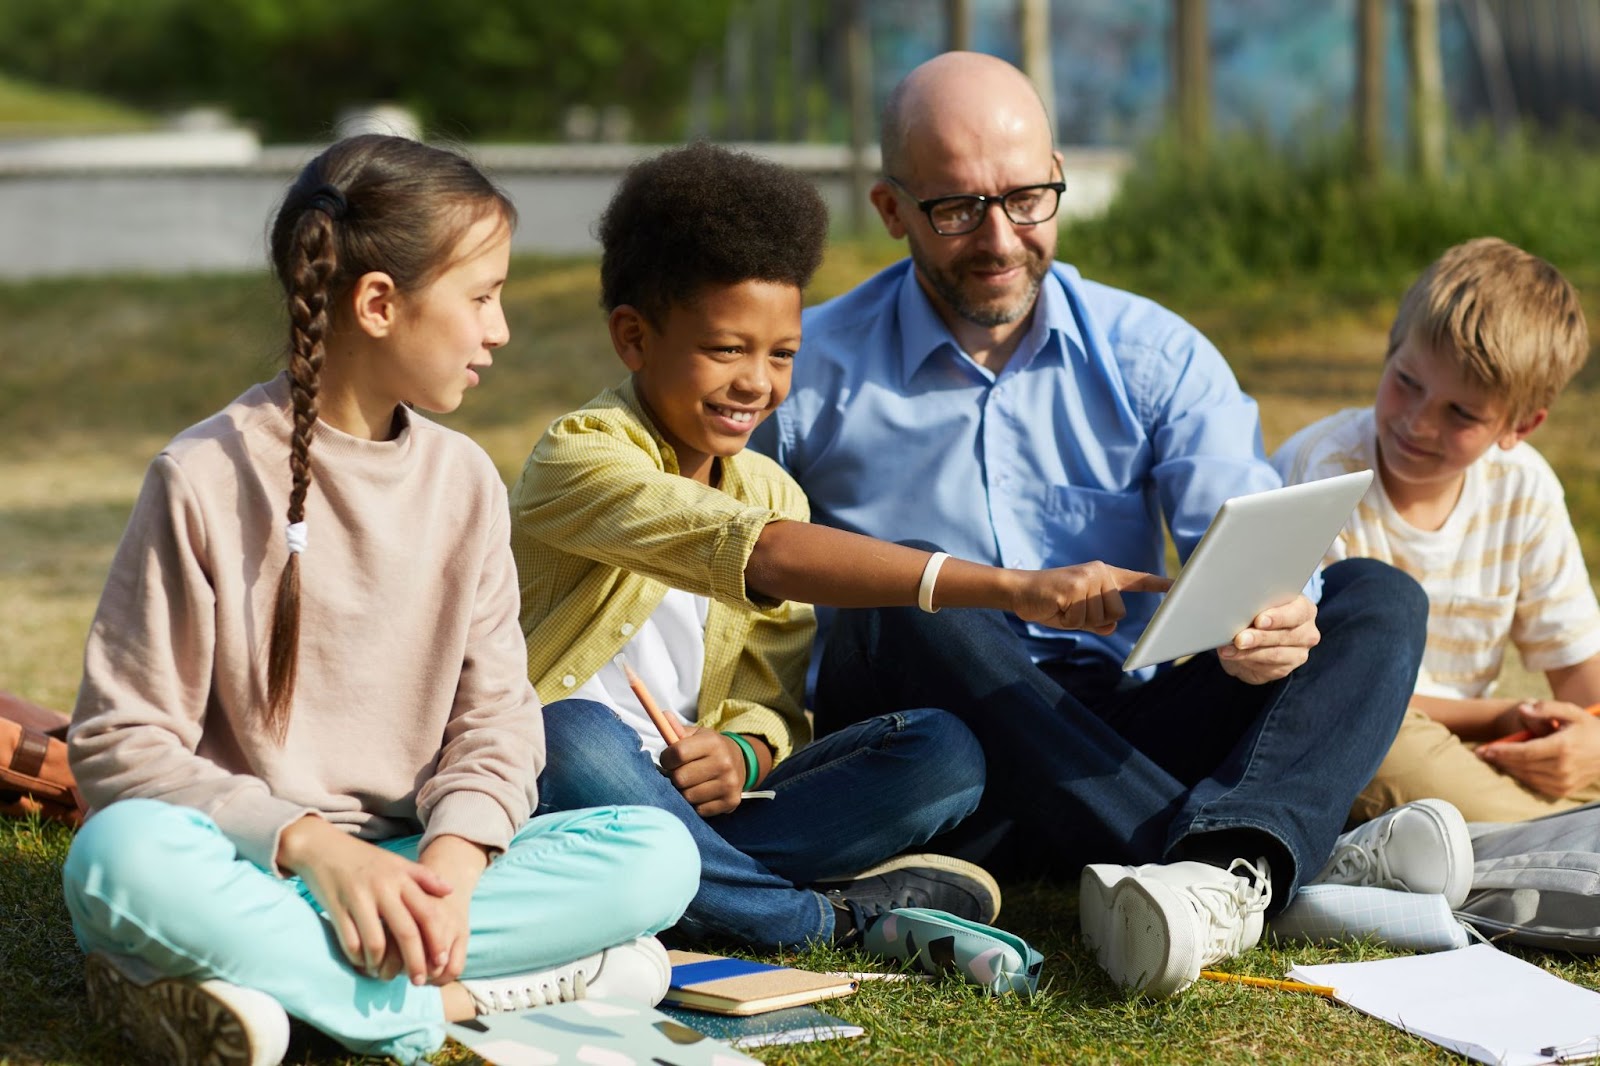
161 882
844 803
1191 765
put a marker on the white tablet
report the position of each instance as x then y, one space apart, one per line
1258 552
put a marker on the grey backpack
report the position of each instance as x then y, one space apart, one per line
1538 883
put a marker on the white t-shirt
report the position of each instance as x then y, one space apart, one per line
1505 565
668 652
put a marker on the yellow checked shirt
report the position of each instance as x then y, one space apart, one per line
602 524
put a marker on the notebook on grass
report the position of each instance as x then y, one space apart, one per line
592 1032
790 1025
737 986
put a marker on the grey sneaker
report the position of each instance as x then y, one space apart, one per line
1422 846
931 882
637 972
184 1021
1154 927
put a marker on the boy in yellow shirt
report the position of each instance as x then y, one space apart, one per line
1483 343
642 526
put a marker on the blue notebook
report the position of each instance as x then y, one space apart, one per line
590 1031
791 1025
725 985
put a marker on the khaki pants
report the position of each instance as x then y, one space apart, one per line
1426 759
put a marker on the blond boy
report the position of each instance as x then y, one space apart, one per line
1483 343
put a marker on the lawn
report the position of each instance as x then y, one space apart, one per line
94 376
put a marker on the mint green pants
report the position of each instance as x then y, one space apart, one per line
162 883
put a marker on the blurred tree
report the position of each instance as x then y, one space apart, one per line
470 68
1426 85
1369 99
1191 77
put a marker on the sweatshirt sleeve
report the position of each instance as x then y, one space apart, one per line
147 677
484 787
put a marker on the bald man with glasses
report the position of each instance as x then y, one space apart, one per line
984 399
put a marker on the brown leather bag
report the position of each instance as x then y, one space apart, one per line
34 775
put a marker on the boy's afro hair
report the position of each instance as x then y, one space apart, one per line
704 214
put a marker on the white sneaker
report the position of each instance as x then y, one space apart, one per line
1153 927
1418 847
183 1021
637 972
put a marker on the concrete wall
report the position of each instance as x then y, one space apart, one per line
103 212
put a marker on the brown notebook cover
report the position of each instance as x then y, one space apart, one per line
722 985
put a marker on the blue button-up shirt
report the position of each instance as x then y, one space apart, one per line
1112 413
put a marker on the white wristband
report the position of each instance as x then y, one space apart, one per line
930 574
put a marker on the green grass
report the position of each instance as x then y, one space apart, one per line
29 110
96 375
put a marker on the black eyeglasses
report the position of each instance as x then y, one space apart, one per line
951 216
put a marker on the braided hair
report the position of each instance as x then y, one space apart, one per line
367 203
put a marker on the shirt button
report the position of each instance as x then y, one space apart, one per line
569 681
627 629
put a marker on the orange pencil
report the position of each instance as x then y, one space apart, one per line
663 722
1267 982
1523 734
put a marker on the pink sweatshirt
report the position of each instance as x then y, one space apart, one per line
413 710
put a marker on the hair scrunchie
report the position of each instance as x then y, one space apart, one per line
295 533
330 201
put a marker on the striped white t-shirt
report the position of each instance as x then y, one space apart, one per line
1505 565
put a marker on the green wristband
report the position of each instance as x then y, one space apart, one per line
752 767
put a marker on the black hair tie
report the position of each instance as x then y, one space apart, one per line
330 201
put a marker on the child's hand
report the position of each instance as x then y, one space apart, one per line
1277 644
459 863
372 897
708 769
1085 596
1562 756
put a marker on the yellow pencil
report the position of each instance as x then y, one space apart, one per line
1268 982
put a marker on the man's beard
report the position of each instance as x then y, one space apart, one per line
947 284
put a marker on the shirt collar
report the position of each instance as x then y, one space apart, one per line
923 332
732 469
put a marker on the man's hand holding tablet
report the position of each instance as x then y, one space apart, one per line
1240 591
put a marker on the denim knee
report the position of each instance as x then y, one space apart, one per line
1374 587
582 736
949 745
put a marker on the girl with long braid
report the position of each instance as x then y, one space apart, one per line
305 722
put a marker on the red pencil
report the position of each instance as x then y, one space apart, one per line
1526 734
663 721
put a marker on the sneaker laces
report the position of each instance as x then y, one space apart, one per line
1226 907
523 993
1354 863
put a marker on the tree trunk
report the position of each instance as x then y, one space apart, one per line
1427 88
958 23
800 70
859 57
1369 86
1033 26
1191 79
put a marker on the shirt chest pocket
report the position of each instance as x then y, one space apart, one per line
1116 524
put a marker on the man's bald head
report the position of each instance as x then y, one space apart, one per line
958 101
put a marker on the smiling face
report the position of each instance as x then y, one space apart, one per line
715 367
1433 423
963 124
446 330
989 277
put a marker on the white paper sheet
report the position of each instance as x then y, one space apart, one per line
1477 1001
